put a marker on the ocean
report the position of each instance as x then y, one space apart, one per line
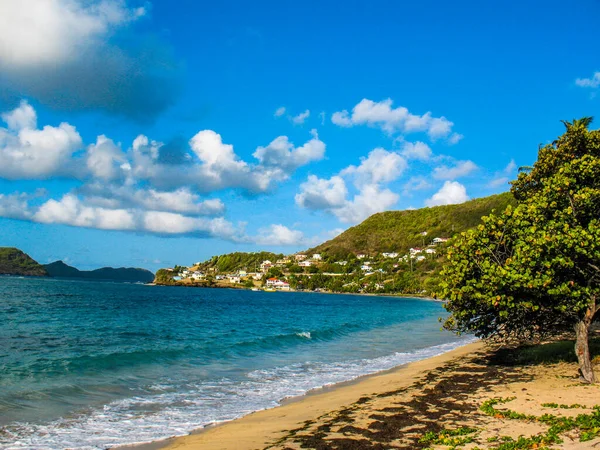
93 365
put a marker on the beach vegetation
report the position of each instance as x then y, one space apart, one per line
533 270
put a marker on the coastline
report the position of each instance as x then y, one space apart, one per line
259 429
471 397
237 288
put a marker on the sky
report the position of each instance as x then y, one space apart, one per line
155 133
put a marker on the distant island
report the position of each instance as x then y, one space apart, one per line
62 270
393 252
15 262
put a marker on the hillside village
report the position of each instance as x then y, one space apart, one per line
394 252
385 272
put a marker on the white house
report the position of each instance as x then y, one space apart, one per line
281 285
317 257
361 256
430 251
197 275
234 279
390 255
305 263
341 263
365 267
420 258
439 240
266 265
271 282
415 251
300 257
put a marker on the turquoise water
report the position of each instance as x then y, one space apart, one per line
95 364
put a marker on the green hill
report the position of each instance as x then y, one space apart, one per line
60 269
232 262
397 231
14 262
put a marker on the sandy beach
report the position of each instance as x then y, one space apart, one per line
421 405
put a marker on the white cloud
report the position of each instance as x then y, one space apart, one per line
23 117
278 234
68 55
370 200
50 32
106 160
69 210
318 193
380 166
30 153
281 153
452 192
460 169
392 120
417 150
280 111
455 138
14 206
593 82
300 118
181 200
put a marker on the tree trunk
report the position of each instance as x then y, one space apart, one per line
582 348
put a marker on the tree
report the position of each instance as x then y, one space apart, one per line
534 270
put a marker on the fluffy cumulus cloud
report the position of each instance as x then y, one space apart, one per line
106 160
452 192
281 153
393 120
71 210
416 150
32 153
63 52
149 187
458 170
279 235
370 199
380 166
593 82
318 193
368 178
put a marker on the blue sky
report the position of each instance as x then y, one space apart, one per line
153 133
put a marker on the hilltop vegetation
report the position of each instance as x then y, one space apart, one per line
14 262
397 231
232 262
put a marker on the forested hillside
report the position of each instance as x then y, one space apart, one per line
14 262
397 231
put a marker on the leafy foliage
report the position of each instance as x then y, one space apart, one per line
534 269
232 262
14 262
